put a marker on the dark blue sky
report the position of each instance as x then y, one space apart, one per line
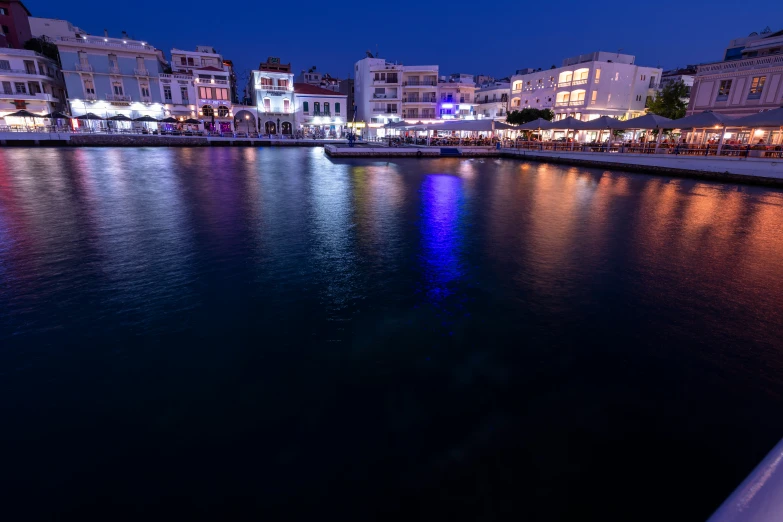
471 38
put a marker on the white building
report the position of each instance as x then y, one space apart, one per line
492 101
111 76
377 93
29 81
747 81
456 97
199 86
272 88
319 110
587 87
319 79
53 28
419 92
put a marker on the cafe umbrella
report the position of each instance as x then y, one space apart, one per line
89 117
146 119
24 114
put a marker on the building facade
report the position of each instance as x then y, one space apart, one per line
456 97
319 79
747 81
272 87
30 81
378 93
492 101
588 87
686 75
14 24
111 76
200 86
419 92
319 111
53 28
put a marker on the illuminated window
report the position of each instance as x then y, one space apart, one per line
517 86
286 105
208 111
89 87
317 108
267 105
223 111
326 108
724 90
756 86
595 94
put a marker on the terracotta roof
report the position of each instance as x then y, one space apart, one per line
306 88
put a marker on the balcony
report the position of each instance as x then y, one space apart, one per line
393 81
90 96
104 42
141 72
754 95
384 110
385 96
83 67
118 98
113 69
564 84
322 114
271 88
176 76
562 104
146 99
579 82
722 97
42 96
575 103
417 83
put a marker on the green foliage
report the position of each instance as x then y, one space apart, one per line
44 46
526 115
669 102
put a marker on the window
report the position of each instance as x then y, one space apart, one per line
286 105
20 88
336 109
391 108
643 77
5 65
305 107
29 66
756 86
167 93
317 108
41 69
282 83
724 90
34 87
182 60
7 88
326 108
223 111
184 93
140 63
208 111
117 87
145 91
267 105
594 96
113 60
3 11
190 62
6 30
205 93
89 87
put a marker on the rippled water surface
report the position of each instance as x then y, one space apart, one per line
269 334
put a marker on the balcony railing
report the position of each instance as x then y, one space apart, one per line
323 114
103 43
176 76
564 84
27 96
90 96
576 102
141 72
83 67
273 88
384 110
118 97
424 83
113 69
394 81
722 97
754 95
561 104
385 96
579 82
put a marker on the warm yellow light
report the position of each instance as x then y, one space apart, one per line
247 116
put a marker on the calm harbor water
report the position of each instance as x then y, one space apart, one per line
270 334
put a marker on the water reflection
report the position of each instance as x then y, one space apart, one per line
441 213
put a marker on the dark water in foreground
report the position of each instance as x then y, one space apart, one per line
236 333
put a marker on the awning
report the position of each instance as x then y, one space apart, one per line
89 116
705 120
146 118
569 123
119 117
537 124
23 114
773 118
648 122
602 123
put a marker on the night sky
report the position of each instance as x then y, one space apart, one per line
472 37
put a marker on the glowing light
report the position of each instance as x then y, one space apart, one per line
448 105
125 41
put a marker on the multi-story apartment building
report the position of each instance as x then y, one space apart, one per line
199 86
747 81
272 88
419 92
587 87
29 81
456 97
319 110
111 76
492 101
319 79
378 92
53 28
14 24
686 75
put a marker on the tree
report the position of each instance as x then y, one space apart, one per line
669 102
529 114
44 46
